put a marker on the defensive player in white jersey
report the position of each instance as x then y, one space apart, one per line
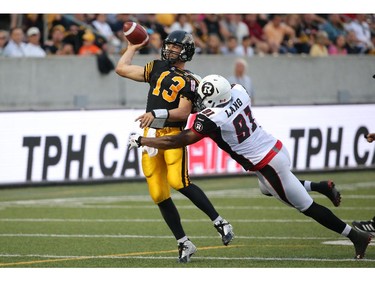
226 117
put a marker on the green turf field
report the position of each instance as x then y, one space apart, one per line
117 226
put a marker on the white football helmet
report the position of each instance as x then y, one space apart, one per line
213 91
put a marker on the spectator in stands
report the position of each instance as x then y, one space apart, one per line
154 45
229 48
319 48
310 24
56 19
234 24
276 31
117 28
214 45
111 19
352 45
262 19
4 35
362 32
118 23
34 20
259 43
150 22
334 27
338 46
372 50
244 49
102 26
56 41
15 46
199 29
66 49
74 36
302 41
181 23
213 25
240 77
89 48
33 48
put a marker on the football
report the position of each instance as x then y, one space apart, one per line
135 33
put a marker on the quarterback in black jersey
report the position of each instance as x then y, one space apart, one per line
168 84
169 104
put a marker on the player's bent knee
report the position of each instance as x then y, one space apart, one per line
159 197
176 183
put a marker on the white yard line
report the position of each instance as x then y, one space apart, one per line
69 205
101 201
174 258
121 236
36 220
228 193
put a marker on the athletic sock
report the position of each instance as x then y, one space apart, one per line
217 219
182 240
172 218
306 184
325 217
199 198
346 230
321 187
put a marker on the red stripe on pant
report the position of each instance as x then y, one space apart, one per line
274 150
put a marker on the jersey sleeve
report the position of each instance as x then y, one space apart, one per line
148 70
191 84
188 91
204 126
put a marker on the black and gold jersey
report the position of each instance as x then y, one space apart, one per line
167 85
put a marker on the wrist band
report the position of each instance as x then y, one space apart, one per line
160 113
161 116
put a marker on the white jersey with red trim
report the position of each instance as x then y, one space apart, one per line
234 129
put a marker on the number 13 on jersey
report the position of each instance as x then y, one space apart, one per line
171 93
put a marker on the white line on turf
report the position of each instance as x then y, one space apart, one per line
81 205
228 193
36 220
173 258
116 236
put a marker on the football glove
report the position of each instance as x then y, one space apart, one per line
134 141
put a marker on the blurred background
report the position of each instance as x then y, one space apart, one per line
65 115
59 61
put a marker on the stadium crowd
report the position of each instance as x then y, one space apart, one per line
243 35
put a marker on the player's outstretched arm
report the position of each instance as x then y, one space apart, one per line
184 138
174 115
126 69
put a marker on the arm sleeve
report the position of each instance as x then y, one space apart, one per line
203 126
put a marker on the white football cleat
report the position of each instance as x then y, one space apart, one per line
225 230
185 251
